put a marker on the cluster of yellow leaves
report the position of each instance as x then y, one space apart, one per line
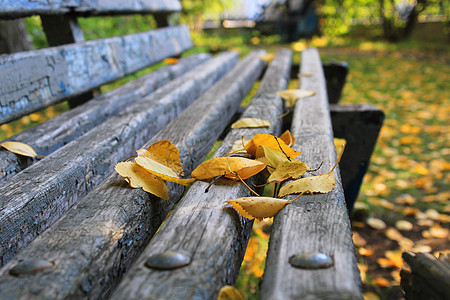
161 162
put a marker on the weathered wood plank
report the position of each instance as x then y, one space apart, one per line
49 136
202 226
428 278
36 79
25 8
359 125
97 240
35 198
317 223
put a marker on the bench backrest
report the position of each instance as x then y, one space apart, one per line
33 80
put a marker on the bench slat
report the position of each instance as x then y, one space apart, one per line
313 223
36 79
202 226
96 241
26 8
35 198
49 136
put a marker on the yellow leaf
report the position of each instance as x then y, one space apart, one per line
229 292
161 170
271 157
138 177
270 141
267 57
291 96
376 223
340 146
228 167
258 207
19 148
380 281
288 138
238 148
288 170
164 153
251 123
171 60
404 225
315 184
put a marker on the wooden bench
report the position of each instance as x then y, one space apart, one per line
70 227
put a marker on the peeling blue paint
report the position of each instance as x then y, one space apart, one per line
63 87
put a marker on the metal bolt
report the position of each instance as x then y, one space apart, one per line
167 261
311 261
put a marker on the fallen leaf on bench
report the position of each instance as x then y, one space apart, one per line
288 170
20 148
288 138
165 153
171 60
271 157
163 160
238 148
258 207
251 123
291 96
323 183
270 141
268 57
230 167
138 177
161 170
340 146
229 292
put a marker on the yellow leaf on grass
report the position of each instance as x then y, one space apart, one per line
270 141
229 292
288 138
271 157
258 207
376 223
288 170
315 184
171 60
138 177
228 167
291 96
161 170
380 281
251 123
19 148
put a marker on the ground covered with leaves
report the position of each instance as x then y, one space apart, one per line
404 200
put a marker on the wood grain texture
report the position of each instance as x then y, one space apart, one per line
35 198
317 223
36 79
202 226
49 136
97 240
25 8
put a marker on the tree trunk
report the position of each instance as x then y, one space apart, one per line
14 36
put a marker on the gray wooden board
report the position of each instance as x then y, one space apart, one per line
49 136
313 223
36 79
25 8
98 239
202 226
35 198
